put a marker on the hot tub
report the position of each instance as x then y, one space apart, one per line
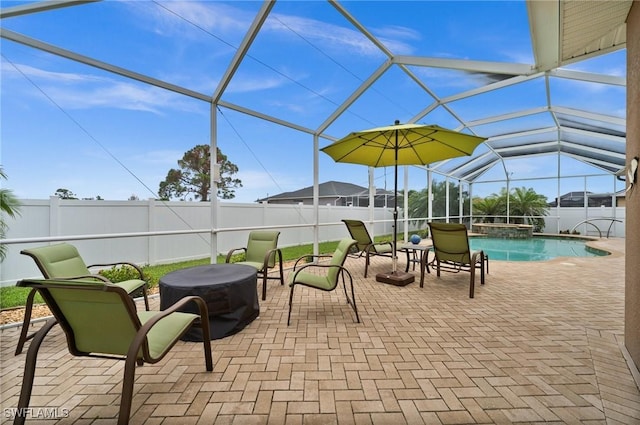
504 230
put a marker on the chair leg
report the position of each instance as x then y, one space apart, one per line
145 295
366 265
264 284
206 341
353 297
424 265
473 279
26 321
344 285
127 388
290 304
350 301
30 371
406 270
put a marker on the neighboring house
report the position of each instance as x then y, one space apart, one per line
576 199
333 193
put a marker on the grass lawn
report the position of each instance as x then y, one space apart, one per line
12 296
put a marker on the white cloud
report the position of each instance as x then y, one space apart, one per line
82 91
345 40
182 18
14 70
167 158
245 84
228 22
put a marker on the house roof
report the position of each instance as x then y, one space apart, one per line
330 189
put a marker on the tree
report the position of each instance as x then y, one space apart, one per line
65 194
528 204
419 201
491 206
194 176
9 205
525 206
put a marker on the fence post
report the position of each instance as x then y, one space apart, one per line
54 216
151 240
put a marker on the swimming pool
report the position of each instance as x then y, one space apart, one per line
537 248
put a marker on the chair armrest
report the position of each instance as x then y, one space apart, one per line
230 253
121 263
202 307
326 266
311 256
373 246
390 243
144 329
475 255
278 252
89 276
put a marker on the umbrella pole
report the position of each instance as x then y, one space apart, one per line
395 277
394 268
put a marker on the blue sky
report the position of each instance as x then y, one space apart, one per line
68 125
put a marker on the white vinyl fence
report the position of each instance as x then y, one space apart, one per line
102 230
591 221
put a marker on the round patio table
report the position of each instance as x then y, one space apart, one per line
229 290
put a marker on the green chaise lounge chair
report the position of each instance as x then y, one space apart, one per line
100 320
365 244
63 261
328 281
452 253
261 252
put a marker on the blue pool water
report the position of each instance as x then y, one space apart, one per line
532 249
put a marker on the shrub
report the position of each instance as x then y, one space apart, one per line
120 273
237 257
124 272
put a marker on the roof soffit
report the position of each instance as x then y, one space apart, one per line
564 31
592 26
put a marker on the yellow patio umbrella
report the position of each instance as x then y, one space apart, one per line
401 144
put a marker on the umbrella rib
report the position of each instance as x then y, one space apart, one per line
412 145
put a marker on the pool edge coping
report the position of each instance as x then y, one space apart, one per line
592 242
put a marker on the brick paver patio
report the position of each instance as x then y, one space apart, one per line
539 343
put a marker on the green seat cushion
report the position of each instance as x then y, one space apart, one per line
254 264
131 285
383 248
165 333
317 281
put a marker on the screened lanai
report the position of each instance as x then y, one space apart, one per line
293 77
103 97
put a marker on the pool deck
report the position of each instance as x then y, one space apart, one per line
541 343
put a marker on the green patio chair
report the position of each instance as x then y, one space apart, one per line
365 245
100 320
452 253
328 281
261 252
62 261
